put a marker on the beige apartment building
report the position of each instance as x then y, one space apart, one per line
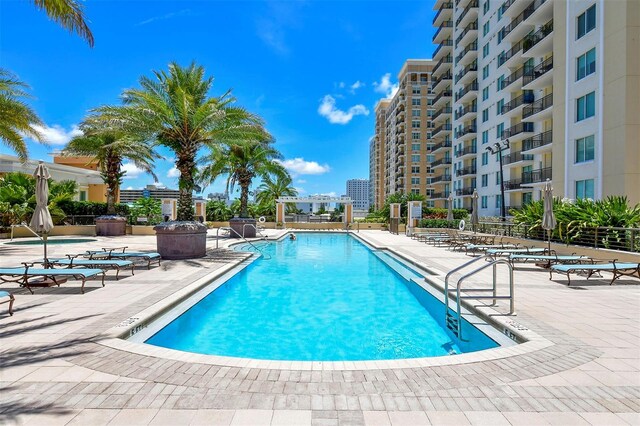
545 89
400 151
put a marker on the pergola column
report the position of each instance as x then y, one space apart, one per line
280 209
347 216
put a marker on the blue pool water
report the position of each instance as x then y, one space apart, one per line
323 297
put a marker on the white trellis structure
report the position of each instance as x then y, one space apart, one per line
347 216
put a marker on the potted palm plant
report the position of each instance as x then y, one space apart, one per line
174 109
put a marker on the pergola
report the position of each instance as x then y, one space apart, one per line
347 217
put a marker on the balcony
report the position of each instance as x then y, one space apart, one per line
443 128
443 13
514 105
444 78
470 30
516 29
462 112
446 60
512 78
516 157
541 11
440 195
539 43
512 184
471 47
511 55
443 31
469 88
442 145
466 191
538 76
469 12
469 71
442 96
443 48
465 131
467 150
518 129
505 6
471 170
538 143
540 109
441 179
439 113
442 162
536 176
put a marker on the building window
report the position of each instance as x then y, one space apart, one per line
586 21
485 158
415 158
415 169
498 201
485 72
415 101
584 188
431 158
415 181
485 50
586 106
499 130
498 178
415 113
485 93
499 106
415 124
415 190
527 197
485 7
499 83
485 115
484 202
585 149
83 195
416 90
415 147
415 135
485 28
485 137
586 64
485 180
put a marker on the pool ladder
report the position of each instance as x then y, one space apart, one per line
230 230
454 320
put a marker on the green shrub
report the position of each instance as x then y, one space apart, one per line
434 213
90 208
437 223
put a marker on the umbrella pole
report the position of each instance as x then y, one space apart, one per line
549 239
44 239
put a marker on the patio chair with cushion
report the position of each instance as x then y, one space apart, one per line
50 276
121 253
618 269
72 261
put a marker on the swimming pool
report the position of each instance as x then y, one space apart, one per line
323 297
31 242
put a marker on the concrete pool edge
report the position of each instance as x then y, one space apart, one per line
116 336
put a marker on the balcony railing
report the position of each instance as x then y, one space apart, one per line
466 89
538 106
447 42
445 6
461 112
466 171
515 157
473 66
504 57
512 184
537 71
442 161
444 127
518 128
445 76
445 24
465 131
516 21
506 6
514 76
444 194
537 37
443 144
470 47
466 150
536 176
537 141
525 98
473 26
445 93
446 60
467 190
443 178
443 110
472 4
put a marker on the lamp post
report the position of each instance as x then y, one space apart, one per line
497 148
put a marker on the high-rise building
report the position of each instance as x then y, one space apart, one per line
400 151
553 87
358 191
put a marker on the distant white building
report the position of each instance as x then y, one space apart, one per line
358 191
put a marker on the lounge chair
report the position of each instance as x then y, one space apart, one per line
617 269
558 259
121 253
494 253
72 261
24 274
9 299
484 247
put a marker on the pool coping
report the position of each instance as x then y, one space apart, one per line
116 336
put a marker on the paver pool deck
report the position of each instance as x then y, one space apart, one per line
55 367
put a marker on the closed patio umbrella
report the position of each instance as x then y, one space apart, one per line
474 210
548 218
450 211
41 221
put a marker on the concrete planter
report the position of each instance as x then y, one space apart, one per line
238 225
111 226
181 240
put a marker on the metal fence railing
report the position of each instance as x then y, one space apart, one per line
613 238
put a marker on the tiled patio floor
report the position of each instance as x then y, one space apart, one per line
55 370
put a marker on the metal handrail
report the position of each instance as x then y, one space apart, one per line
230 229
24 225
264 237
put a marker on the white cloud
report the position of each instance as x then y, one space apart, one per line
341 85
298 166
358 84
173 173
184 12
56 134
301 181
385 86
129 188
300 190
131 171
328 110
329 194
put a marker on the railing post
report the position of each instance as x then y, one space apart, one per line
596 244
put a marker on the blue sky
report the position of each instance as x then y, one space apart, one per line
313 69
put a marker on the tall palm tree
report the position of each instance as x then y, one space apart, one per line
109 148
69 14
243 162
174 109
16 117
271 189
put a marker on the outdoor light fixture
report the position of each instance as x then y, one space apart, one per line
498 147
